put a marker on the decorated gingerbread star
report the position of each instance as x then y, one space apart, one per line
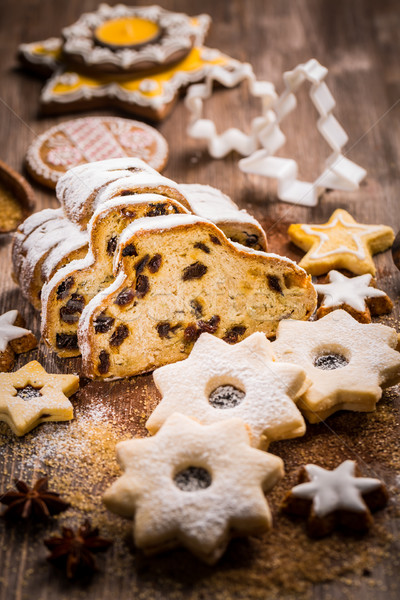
353 294
220 381
348 362
14 338
31 396
341 243
332 498
191 484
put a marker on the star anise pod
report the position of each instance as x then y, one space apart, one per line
74 550
37 501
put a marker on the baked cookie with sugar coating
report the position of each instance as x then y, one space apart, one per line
220 381
31 396
338 498
70 290
193 485
181 277
341 243
348 362
14 338
356 295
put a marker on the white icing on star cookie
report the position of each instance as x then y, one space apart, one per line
348 362
352 291
192 484
8 331
220 381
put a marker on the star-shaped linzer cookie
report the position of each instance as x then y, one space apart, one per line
348 362
192 484
335 498
31 396
341 243
220 381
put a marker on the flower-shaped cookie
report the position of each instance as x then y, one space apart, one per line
192 485
31 396
354 294
341 243
348 362
335 498
220 381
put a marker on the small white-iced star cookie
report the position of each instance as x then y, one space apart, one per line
193 485
31 396
14 338
341 243
335 498
355 295
348 362
220 381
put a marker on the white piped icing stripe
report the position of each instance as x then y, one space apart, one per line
352 291
8 331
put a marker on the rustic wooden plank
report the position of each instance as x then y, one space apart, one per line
358 41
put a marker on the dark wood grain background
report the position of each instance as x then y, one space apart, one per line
358 41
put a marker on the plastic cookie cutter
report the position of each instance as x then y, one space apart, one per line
339 173
219 145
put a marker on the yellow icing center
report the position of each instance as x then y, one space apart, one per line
129 31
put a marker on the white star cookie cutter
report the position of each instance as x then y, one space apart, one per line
192 484
219 145
339 173
348 362
220 381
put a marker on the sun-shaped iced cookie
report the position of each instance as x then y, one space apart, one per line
31 396
335 498
341 243
348 362
355 295
220 381
193 485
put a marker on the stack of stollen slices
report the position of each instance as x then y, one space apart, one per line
153 269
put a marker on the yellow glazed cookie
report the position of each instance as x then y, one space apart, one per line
31 396
341 243
193 485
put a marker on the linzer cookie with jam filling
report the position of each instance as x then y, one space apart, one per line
338 498
220 381
341 243
348 362
90 139
71 288
31 396
193 485
14 338
182 277
356 295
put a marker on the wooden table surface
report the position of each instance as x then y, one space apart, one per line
359 43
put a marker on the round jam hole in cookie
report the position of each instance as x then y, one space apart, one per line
330 361
226 396
192 479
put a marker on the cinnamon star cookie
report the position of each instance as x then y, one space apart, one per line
192 485
220 381
14 338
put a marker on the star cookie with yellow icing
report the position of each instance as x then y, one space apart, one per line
341 243
193 485
348 362
220 381
31 396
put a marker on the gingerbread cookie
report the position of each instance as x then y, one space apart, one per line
220 381
42 57
90 139
348 362
338 498
356 295
17 199
341 243
121 39
192 485
31 396
14 339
